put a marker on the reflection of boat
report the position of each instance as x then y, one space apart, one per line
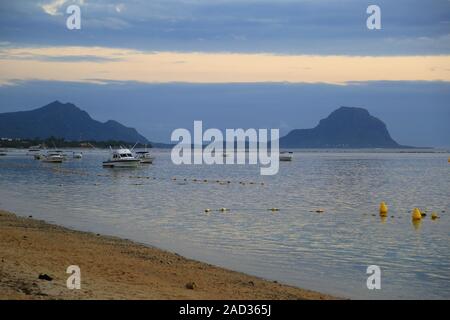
53 157
77 155
121 158
144 157
286 156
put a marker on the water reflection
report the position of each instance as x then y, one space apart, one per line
416 224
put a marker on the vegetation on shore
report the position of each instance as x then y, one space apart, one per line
53 142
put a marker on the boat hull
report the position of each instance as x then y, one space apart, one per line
52 160
146 161
121 164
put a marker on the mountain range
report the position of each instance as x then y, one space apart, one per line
64 120
346 127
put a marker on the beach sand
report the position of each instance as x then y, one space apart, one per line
113 268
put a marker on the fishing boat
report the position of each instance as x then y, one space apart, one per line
286 156
121 158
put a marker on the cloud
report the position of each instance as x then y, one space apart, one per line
120 7
410 27
52 8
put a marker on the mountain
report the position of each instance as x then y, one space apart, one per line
345 127
64 120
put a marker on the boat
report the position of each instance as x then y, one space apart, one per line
3 152
121 158
77 155
52 157
61 153
34 150
286 156
144 157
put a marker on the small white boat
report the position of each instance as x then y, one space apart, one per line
121 158
60 152
34 150
286 156
144 157
77 155
53 157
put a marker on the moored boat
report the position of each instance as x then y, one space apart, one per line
53 157
286 156
34 150
77 155
145 157
121 158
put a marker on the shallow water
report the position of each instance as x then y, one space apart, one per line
328 252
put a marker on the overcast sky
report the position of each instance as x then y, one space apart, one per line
159 64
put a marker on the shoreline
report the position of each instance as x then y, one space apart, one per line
114 268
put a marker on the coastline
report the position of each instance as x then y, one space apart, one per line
114 268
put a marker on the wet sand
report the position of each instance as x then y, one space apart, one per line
113 268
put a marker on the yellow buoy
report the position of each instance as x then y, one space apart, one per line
383 209
275 209
434 216
207 210
416 214
223 209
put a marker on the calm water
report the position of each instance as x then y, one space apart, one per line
328 251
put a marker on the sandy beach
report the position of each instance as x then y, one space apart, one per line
113 268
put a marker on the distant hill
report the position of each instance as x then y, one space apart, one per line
346 127
64 120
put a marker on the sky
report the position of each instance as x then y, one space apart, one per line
157 65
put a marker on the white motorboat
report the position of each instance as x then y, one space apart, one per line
34 150
286 156
144 157
60 152
121 158
52 157
77 155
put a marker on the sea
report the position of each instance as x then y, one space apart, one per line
315 224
